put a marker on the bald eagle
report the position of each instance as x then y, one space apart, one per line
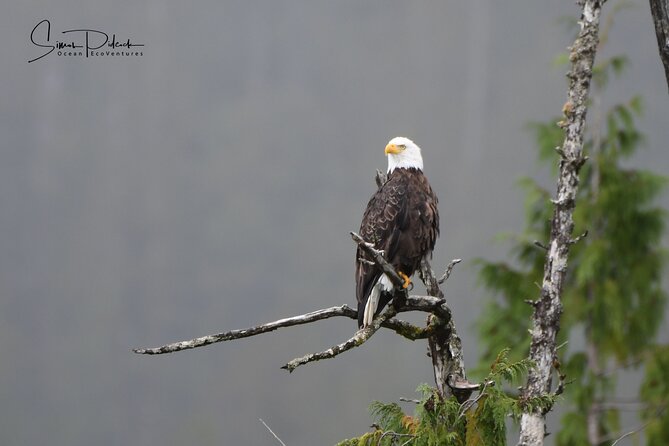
401 219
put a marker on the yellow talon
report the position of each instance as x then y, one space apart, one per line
407 281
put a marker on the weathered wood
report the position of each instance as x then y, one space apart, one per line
660 12
325 313
444 343
547 310
377 256
407 330
434 304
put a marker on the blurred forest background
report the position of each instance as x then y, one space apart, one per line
211 183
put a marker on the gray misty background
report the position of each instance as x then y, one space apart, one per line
211 184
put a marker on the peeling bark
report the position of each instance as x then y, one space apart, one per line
547 310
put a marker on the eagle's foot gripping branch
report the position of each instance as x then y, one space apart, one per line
407 280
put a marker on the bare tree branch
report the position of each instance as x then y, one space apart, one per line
325 313
445 345
547 310
357 340
449 270
632 432
405 329
658 413
412 303
660 12
272 432
377 255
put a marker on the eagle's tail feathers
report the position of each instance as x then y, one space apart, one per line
383 284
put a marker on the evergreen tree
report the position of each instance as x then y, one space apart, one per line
613 292
479 421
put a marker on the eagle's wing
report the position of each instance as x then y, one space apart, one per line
425 220
384 223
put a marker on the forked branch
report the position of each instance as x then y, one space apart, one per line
405 329
445 346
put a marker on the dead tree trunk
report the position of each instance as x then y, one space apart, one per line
660 12
548 308
444 343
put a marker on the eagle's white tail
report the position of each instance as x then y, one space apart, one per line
382 284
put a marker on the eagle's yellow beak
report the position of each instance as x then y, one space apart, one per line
393 148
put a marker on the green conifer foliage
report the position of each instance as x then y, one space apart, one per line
479 421
655 394
613 292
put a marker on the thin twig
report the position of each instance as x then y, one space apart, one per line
365 261
562 377
272 432
377 257
360 337
629 406
657 414
632 432
380 178
423 303
449 269
540 245
579 238
397 435
464 407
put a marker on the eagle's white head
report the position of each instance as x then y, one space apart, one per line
403 153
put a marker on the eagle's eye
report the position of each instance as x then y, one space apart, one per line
402 146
